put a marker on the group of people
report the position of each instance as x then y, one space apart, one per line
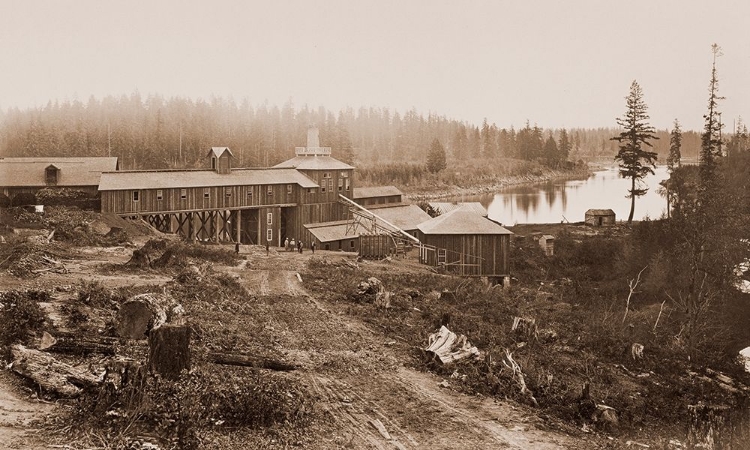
297 245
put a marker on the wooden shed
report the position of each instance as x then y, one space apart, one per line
600 217
466 243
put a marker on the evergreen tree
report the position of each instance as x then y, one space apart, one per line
564 146
635 161
550 151
711 137
673 188
436 157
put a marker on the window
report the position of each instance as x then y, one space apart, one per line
136 195
159 194
351 243
288 188
51 175
269 235
330 185
206 193
250 194
327 175
269 219
344 175
323 186
347 184
228 192
213 162
311 191
183 194
270 190
341 184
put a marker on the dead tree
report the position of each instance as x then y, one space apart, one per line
50 374
632 284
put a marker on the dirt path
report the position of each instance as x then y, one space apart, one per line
17 413
392 408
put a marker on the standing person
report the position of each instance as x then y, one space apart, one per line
312 246
237 247
299 245
286 244
292 245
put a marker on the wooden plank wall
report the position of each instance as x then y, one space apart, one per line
471 255
121 202
375 246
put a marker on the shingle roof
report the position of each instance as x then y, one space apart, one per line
156 179
406 217
376 191
446 207
74 171
600 212
218 151
461 221
330 231
314 163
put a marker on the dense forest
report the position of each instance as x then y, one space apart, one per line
157 132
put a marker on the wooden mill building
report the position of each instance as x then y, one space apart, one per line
467 244
227 204
600 217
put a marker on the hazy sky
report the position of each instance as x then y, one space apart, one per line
557 63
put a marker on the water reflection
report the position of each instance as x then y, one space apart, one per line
553 202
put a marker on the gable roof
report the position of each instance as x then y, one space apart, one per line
600 212
376 191
314 163
446 207
165 179
218 151
406 217
461 221
73 171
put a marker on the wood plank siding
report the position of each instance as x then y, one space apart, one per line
146 201
482 255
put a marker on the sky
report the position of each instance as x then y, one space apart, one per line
554 63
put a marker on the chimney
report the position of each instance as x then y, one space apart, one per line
313 141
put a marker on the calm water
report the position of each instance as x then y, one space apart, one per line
553 202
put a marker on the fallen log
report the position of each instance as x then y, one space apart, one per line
446 347
228 359
73 345
141 313
50 374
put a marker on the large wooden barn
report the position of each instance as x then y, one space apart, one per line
467 244
227 204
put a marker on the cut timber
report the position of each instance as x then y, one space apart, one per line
141 313
228 359
717 427
446 347
169 350
50 374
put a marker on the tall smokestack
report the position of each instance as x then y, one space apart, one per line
313 140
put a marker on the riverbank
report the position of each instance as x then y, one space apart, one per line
487 186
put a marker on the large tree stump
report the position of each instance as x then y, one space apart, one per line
169 350
141 313
50 374
718 427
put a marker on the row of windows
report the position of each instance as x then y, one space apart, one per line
207 193
344 184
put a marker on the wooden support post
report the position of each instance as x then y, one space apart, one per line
238 225
215 223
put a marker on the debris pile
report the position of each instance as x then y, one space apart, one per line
447 347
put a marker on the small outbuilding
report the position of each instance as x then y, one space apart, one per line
547 243
467 244
600 217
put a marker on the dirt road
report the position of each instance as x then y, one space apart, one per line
17 415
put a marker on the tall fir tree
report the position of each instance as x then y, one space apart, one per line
436 157
635 161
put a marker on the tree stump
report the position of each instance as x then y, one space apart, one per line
718 427
169 350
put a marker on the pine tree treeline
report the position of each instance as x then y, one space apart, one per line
157 132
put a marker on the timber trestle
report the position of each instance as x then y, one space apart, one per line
208 225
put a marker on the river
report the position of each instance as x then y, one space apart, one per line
556 201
